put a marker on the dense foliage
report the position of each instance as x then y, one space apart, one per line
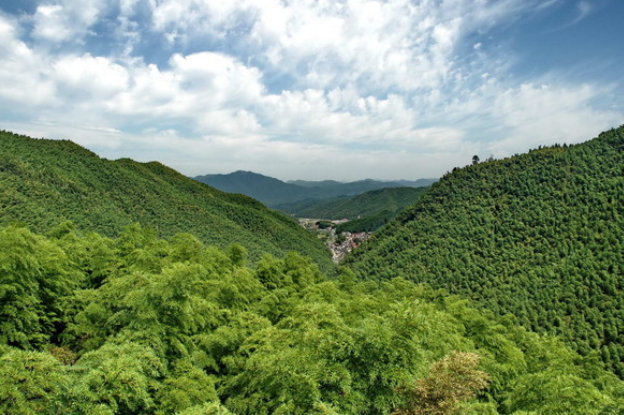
43 182
540 236
140 325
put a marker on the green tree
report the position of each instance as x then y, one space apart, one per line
451 381
557 393
32 383
35 276
116 379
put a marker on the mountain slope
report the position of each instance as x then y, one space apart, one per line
44 182
539 235
370 203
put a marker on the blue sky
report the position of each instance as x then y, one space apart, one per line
312 89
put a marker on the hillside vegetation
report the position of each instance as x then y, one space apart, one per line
540 236
44 182
366 204
138 325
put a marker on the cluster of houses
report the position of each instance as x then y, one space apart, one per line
341 244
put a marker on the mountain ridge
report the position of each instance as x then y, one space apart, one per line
274 192
45 182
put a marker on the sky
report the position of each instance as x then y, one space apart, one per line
312 89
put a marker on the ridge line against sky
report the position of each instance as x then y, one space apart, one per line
312 89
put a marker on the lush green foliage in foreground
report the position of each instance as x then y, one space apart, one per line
44 182
139 325
540 236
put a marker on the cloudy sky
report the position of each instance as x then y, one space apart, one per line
312 89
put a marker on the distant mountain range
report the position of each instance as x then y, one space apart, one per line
275 193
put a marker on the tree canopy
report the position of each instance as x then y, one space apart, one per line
142 325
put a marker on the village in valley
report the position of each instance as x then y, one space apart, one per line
339 244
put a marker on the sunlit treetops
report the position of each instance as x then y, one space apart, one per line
142 325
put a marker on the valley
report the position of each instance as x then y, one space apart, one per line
340 243
336 207
128 288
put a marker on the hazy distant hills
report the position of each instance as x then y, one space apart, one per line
44 182
267 190
539 236
274 192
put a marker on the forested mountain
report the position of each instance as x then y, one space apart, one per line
44 182
137 325
366 204
540 236
268 190
276 193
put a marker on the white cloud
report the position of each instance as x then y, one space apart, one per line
66 20
89 77
545 114
397 44
21 79
229 82
211 91
584 8
398 88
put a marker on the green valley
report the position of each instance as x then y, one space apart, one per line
371 203
127 288
294 196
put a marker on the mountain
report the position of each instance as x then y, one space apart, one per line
146 322
44 182
267 190
391 183
391 199
275 193
320 184
416 183
539 236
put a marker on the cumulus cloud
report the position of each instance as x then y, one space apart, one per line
23 81
88 77
66 20
544 114
283 87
